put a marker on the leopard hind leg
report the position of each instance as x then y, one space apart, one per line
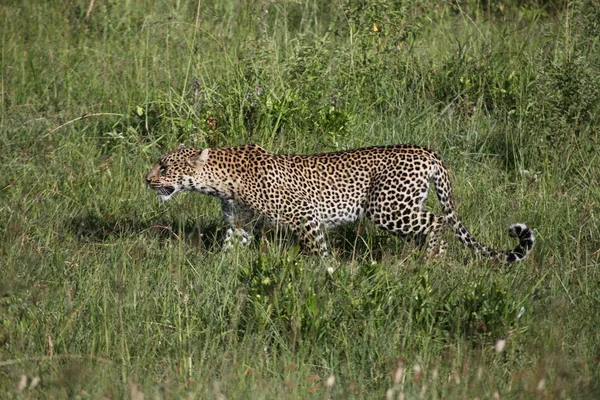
401 210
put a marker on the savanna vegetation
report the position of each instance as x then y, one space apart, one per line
107 293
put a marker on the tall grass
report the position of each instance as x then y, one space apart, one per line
106 292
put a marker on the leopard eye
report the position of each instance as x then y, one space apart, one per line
163 170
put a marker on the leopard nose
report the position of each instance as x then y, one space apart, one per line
153 172
149 179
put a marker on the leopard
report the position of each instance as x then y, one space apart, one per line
309 194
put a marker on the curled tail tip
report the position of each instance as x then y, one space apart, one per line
516 230
526 239
522 232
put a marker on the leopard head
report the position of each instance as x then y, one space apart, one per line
178 171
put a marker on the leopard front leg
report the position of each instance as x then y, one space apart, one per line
314 236
310 233
237 218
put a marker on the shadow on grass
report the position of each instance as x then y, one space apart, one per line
355 242
101 228
348 242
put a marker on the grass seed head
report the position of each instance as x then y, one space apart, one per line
500 345
330 381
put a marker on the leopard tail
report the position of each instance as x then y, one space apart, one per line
443 190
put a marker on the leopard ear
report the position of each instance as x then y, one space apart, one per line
204 155
198 160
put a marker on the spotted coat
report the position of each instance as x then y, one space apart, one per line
310 193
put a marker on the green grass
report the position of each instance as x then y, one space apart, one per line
105 292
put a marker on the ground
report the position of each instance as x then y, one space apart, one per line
108 292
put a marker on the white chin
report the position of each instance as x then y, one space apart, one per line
164 197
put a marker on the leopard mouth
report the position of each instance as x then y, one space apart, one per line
164 192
